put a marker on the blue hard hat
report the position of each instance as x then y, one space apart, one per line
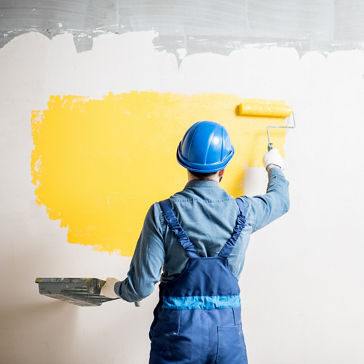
205 148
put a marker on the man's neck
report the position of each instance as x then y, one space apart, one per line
212 178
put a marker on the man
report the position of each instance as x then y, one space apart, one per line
199 238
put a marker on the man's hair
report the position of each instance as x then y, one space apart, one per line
201 175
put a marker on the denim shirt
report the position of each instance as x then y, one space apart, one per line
208 215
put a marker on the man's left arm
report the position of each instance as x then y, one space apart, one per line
147 262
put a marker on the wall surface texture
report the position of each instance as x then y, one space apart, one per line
302 283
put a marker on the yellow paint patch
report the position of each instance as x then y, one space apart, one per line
99 164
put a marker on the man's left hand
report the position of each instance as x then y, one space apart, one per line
107 289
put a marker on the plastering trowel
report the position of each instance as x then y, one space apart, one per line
78 291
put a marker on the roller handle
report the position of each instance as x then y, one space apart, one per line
270 146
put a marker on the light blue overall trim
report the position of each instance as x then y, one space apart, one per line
201 302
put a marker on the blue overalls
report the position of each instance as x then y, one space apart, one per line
198 317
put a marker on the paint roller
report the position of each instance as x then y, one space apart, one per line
268 109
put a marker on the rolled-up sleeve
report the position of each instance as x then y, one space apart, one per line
147 262
263 209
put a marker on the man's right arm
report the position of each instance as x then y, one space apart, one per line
263 209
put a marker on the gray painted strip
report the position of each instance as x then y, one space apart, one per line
198 26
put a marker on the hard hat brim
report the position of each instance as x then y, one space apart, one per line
203 168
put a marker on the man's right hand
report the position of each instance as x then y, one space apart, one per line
273 158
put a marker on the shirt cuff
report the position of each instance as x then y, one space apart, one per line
275 172
117 288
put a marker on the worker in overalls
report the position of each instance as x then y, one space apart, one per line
198 239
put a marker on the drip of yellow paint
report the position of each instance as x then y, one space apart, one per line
99 164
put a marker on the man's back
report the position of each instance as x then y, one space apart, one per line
208 215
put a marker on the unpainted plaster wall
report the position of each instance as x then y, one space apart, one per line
301 286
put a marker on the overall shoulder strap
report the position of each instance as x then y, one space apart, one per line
173 223
240 223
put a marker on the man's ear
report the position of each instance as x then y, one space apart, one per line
221 172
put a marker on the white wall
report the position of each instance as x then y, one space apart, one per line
302 286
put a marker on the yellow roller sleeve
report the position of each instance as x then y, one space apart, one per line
264 108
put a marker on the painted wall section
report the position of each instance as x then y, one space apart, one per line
100 163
